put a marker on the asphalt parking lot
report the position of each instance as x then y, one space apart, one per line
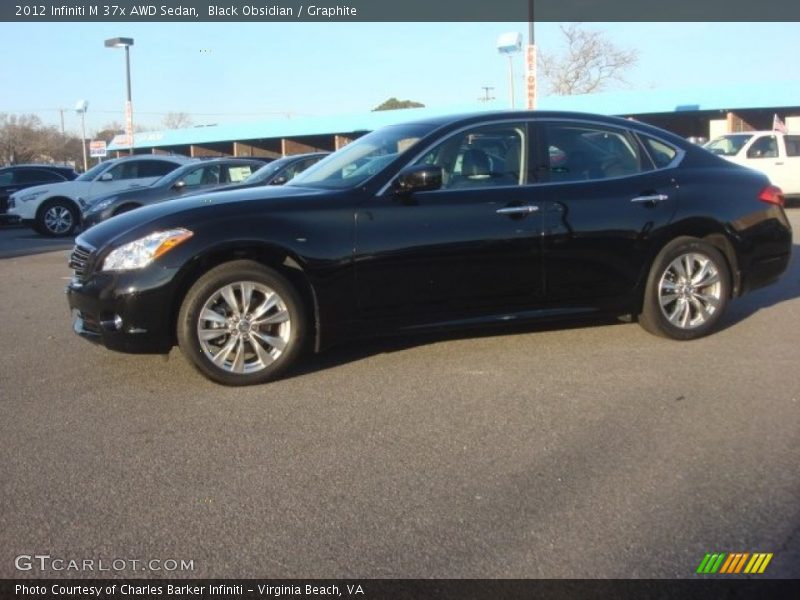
566 450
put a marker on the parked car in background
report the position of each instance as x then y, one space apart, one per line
191 178
444 223
775 154
282 170
54 209
20 177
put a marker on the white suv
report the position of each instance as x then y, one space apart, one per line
775 154
54 209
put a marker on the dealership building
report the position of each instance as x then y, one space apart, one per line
689 112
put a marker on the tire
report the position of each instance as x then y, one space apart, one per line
57 218
245 352
680 307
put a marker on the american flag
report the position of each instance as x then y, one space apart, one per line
778 125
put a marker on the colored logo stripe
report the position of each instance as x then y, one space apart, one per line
734 562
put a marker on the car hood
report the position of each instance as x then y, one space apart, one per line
71 189
184 212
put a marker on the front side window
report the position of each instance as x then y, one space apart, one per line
6 177
484 156
585 152
764 147
125 170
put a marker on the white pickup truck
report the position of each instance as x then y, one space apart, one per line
775 154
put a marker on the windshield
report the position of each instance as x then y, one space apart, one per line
360 160
94 171
267 171
728 145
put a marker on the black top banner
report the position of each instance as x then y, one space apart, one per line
402 11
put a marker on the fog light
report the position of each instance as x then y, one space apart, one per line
114 324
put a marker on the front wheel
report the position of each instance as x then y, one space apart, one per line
687 290
57 218
241 324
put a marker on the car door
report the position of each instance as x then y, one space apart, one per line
603 194
765 153
791 185
469 249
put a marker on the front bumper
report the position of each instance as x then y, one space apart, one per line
25 211
117 311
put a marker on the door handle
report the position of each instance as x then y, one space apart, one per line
517 210
651 198
779 164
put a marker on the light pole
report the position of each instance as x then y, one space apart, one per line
509 44
81 107
123 42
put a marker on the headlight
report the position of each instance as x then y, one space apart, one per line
29 197
140 253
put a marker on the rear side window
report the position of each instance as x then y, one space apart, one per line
38 176
156 168
237 173
6 177
661 153
792 145
584 152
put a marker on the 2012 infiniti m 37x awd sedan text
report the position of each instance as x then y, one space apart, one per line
441 223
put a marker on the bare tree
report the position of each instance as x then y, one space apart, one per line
176 120
589 63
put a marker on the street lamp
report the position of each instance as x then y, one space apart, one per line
509 44
123 42
81 107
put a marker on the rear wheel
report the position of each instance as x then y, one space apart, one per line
57 218
241 324
687 290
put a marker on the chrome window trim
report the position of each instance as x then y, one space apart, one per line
679 156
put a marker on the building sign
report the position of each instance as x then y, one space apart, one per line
97 149
530 76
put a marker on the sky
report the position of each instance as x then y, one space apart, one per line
234 72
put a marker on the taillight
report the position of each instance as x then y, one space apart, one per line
772 194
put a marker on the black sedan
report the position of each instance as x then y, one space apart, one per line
191 178
443 223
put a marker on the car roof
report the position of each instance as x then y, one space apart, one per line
38 166
180 158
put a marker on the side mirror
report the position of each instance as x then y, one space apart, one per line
106 177
418 178
179 185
